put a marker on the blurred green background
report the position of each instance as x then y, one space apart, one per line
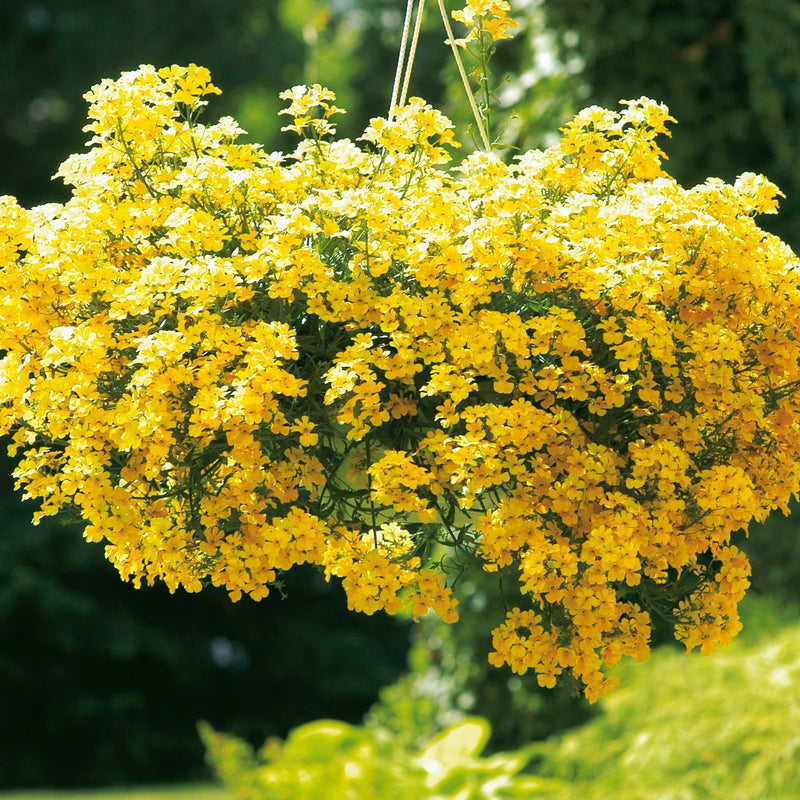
101 684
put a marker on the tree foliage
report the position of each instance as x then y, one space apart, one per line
105 684
130 715
714 728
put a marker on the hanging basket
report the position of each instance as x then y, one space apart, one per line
568 370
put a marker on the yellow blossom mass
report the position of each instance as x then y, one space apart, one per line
568 370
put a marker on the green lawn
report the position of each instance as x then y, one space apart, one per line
202 792
720 727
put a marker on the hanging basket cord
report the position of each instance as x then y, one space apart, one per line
398 75
412 52
403 72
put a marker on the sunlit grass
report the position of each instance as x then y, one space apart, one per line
152 793
720 727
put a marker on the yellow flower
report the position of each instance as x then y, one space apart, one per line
570 369
490 16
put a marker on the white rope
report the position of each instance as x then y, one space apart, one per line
401 58
412 52
452 42
403 71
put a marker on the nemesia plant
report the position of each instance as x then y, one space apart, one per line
487 22
568 370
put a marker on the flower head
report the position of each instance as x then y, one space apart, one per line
487 16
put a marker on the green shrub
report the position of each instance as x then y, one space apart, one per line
328 758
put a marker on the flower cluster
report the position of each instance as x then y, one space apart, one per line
490 17
569 371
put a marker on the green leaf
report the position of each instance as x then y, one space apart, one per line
323 738
458 743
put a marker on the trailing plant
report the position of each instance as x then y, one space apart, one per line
568 371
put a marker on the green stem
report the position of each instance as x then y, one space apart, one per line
464 79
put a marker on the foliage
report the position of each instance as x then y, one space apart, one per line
129 671
707 729
51 51
327 758
59 612
535 88
229 363
773 548
701 728
723 728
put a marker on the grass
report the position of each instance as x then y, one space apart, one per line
720 727
202 792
